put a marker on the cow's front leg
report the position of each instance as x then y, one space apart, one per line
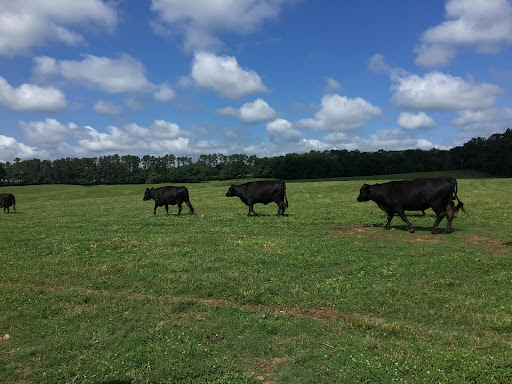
404 218
388 224
167 209
179 208
251 209
154 210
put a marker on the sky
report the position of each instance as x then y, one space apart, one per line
260 77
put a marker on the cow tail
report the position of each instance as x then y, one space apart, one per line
286 201
14 203
460 205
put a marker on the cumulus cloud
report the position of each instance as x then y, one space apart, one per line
160 129
47 132
11 149
30 97
200 21
107 107
223 75
332 86
282 130
377 64
416 121
441 92
164 93
392 139
254 112
483 25
339 113
124 74
25 24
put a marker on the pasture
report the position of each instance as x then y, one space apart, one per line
96 289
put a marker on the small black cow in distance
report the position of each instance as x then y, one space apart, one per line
263 192
415 195
6 200
168 196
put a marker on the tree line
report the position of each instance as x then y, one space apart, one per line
492 155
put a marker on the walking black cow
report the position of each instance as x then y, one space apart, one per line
263 192
168 196
415 195
6 200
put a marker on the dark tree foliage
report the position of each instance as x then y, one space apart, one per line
492 155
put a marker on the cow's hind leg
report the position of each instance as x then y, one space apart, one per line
404 218
449 217
167 209
440 216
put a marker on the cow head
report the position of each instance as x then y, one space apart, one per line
231 191
364 193
147 194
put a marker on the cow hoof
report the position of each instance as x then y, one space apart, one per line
411 230
446 231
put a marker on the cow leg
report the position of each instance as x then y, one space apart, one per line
251 209
167 209
180 207
440 216
154 210
390 217
449 218
404 218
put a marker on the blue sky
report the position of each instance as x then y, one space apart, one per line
263 77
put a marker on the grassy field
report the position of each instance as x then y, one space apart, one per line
95 289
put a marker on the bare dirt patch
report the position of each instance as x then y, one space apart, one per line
262 369
371 232
488 243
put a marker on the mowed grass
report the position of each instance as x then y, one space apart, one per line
95 289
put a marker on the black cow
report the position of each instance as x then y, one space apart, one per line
6 200
168 196
415 195
263 192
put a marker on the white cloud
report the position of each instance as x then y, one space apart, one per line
254 112
416 121
164 93
483 25
11 149
107 107
124 74
224 75
25 24
47 132
392 139
332 86
282 130
201 20
339 113
160 129
438 91
30 97
377 64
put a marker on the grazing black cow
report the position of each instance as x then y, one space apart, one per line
263 192
168 196
6 200
415 195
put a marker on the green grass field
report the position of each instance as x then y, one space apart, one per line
95 289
